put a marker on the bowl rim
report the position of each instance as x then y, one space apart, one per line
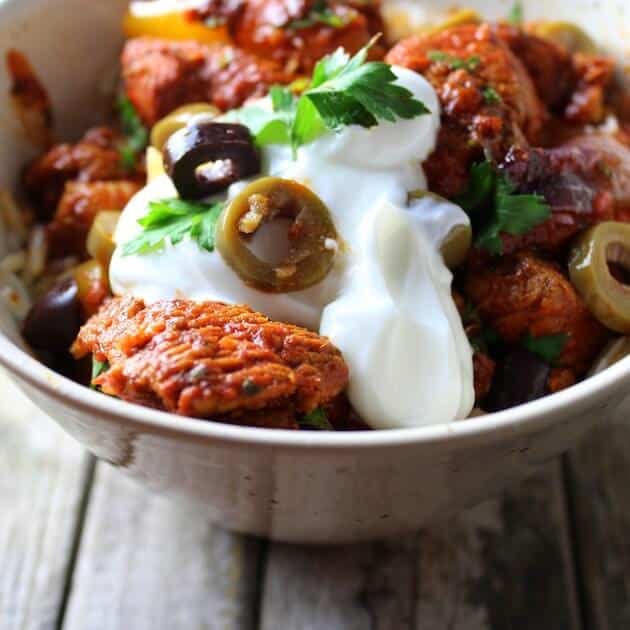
510 421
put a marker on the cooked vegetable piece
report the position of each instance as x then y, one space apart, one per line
598 252
567 35
456 246
519 378
312 237
155 163
173 25
176 120
100 240
93 285
206 158
457 18
54 321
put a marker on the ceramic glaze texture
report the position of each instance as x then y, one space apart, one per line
295 486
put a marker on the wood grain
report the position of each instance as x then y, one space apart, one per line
505 564
599 470
146 562
42 478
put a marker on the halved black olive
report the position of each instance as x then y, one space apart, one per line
520 377
53 322
205 158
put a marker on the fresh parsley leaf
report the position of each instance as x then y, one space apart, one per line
349 91
491 96
455 63
548 347
319 14
136 134
173 220
481 186
514 214
516 14
343 91
511 213
316 420
98 368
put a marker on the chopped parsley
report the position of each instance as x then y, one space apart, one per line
136 134
319 14
491 96
510 213
98 368
548 347
455 63
516 14
343 91
316 420
173 219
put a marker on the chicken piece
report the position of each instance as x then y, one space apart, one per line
297 33
203 359
161 75
572 86
489 102
79 205
483 370
94 158
525 295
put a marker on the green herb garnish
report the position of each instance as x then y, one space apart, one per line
455 63
98 368
491 96
516 14
343 91
136 134
510 213
173 219
319 14
548 347
316 420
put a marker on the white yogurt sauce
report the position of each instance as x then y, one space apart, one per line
387 302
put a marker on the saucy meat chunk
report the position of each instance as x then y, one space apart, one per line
94 158
489 102
203 359
161 75
525 295
79 205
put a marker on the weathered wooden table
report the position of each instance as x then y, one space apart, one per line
83 548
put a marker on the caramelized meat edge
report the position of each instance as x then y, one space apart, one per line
204 359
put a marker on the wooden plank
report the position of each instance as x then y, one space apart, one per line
146 562
599 471
43 475
504 564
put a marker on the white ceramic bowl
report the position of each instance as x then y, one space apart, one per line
295 486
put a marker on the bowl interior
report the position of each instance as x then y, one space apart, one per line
76 59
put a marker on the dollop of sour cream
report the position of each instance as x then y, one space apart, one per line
386 304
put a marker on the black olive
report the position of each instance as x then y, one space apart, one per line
520 377
53 322
205 158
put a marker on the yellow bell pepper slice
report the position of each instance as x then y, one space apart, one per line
173 26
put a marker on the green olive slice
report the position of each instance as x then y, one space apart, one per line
176 120
312 240
597 252
566 34
456 245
